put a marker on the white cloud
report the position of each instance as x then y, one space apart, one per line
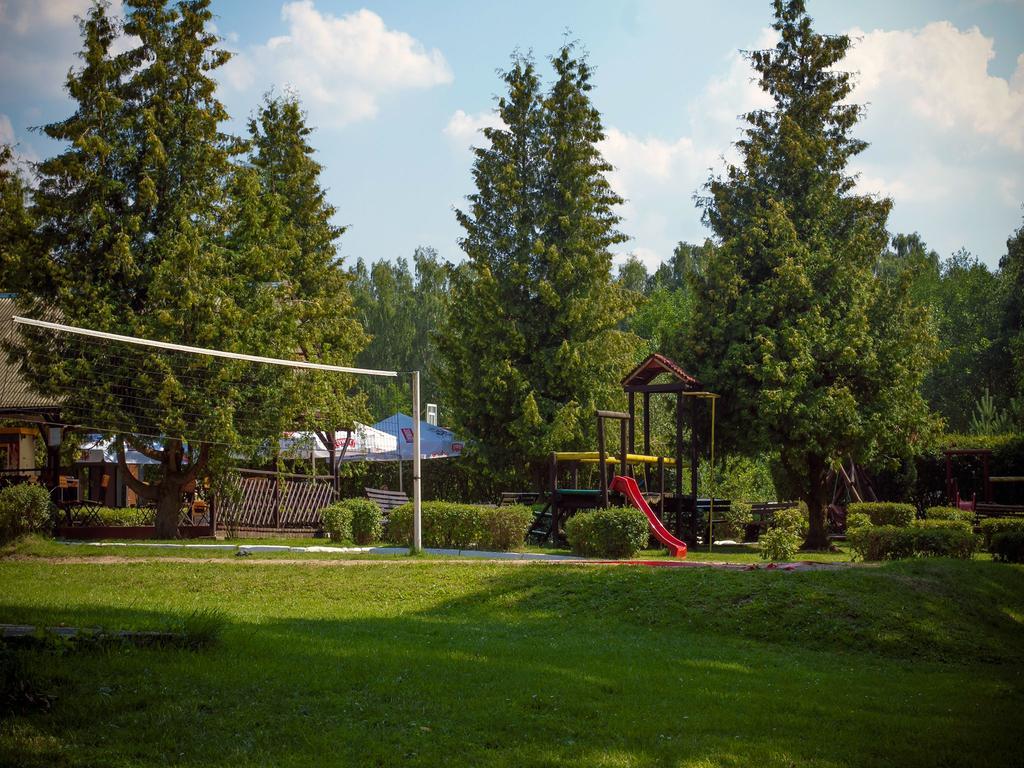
939 74
341 66
466 129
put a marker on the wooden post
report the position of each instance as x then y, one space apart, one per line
622 442
277 502
988 483
694 468
661 488
679 465
647 443
949 480
602 466
632 422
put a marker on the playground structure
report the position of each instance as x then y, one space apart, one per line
656 493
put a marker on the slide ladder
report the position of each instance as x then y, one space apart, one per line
627 487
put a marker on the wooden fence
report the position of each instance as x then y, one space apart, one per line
268 500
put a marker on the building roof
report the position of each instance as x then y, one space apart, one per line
15 392
655 365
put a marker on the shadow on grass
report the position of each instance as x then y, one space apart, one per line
545 666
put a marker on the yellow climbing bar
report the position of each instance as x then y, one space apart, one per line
591 457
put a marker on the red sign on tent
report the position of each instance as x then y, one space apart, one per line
407 434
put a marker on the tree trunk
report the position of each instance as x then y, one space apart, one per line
168 510
817 533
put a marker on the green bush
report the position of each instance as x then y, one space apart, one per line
337 520
857 520
959 525
504 529
446 524
884 512
782 540
994 525
367 521
779 544
793 520
122 516
735 520
615 532
890 542
1008 546
949 513
24 509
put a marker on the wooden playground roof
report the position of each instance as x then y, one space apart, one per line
640 378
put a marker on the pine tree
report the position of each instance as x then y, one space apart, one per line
531 344
314 295
148 228
17 226
813 355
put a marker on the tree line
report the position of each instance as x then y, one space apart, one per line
826 336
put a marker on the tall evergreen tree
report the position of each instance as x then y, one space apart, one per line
148 228
16 222
531 345
1011 268
314 293
811 352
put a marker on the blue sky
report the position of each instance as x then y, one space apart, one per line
398 91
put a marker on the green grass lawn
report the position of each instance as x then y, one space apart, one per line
42 547
423 663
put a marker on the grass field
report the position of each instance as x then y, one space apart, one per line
416 662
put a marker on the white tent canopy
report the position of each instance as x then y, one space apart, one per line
363 443
435 442
97 449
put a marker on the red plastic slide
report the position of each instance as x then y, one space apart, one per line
627 487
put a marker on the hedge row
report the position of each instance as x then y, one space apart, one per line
24 509
448 525
1008 546
123 516
614 532
890 542
884 512
949 513
996 525
356 520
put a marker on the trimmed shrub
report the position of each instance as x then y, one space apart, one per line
504 529
949 513
782 540
890 542
958 525
793 520
857 520
338 521
884 512
446 525
994 525
122 516
617 532
367 521
779 544
735 520
24 509
1008 546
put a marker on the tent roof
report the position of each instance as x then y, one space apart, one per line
655 365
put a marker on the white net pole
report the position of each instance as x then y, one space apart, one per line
417 499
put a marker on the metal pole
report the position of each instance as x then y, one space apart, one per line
417 496
711 480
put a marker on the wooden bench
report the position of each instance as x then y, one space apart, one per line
386 500
509 498
983 510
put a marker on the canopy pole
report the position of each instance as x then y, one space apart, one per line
417 497
711 479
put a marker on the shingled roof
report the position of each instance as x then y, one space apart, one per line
654 366
15 392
